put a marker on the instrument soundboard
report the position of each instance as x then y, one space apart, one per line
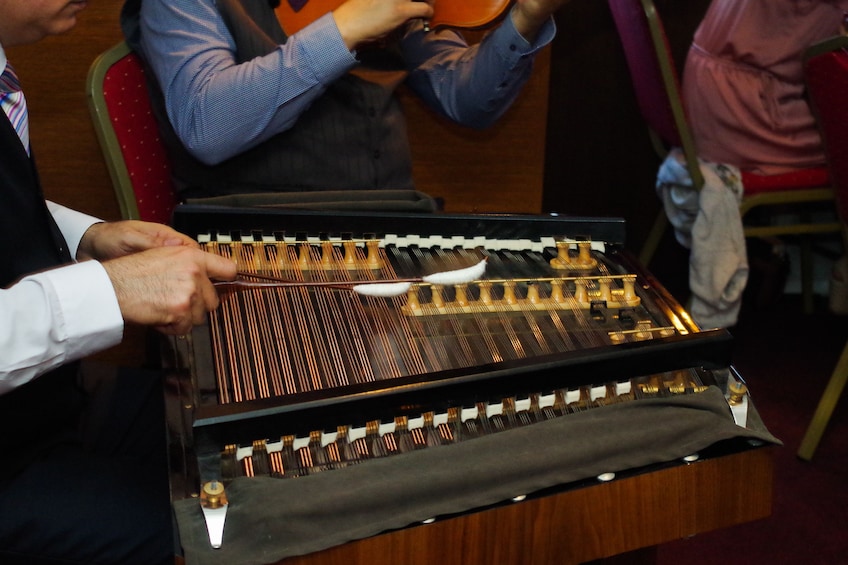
560 311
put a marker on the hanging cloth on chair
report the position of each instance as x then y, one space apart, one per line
707 222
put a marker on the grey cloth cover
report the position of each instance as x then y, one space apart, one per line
270 519
402 200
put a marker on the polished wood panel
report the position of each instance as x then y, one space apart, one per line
499 169
591 523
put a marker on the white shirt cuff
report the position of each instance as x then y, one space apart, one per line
91 319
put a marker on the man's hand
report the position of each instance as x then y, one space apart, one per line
362 21
168 287
110 240
529 16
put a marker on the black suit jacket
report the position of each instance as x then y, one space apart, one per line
45 411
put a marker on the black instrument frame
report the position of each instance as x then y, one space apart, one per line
213 426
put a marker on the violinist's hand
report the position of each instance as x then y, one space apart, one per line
529 16
109 240
362 21
169 287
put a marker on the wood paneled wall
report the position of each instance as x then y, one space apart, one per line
500 169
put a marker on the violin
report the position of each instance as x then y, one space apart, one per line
294 15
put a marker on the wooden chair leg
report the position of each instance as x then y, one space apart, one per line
807 282
827 403
652 242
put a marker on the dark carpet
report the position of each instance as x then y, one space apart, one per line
787 356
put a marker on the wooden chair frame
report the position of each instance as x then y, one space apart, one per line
106 133
130 137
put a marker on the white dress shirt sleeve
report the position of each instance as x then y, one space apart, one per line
72 224
219 108
59 315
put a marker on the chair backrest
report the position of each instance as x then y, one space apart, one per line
129 136
826 76
654 77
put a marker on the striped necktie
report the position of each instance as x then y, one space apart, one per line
13 103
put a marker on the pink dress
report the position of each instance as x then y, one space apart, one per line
743 83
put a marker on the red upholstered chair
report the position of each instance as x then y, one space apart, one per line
129 136
826 74
657 89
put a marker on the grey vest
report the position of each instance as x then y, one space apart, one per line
352 138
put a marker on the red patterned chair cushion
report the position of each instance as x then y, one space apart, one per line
827 83
128 105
